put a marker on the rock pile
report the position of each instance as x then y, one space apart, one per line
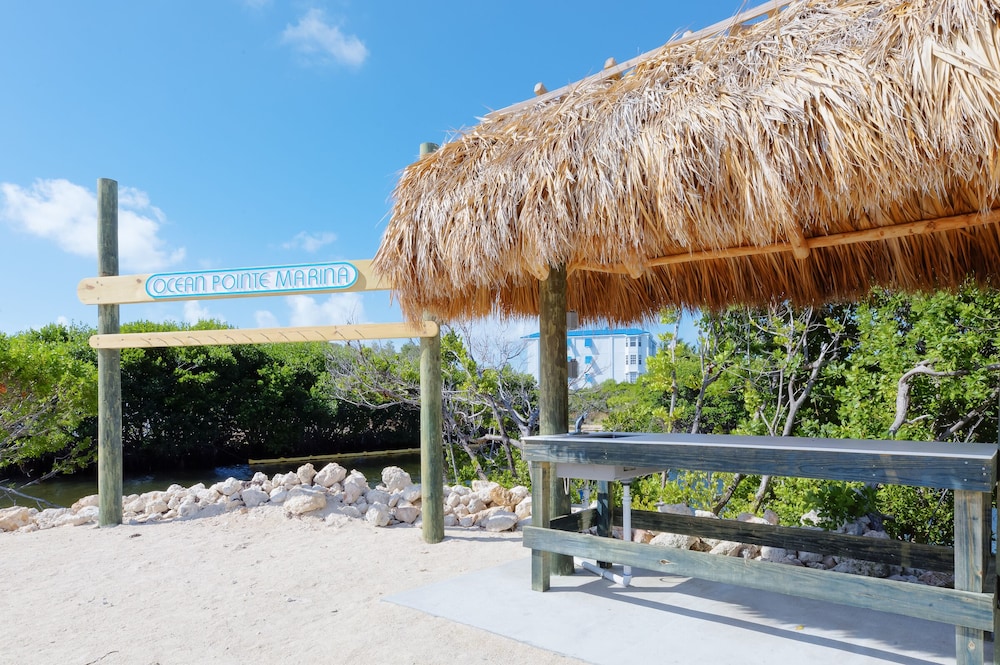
331 491
860 527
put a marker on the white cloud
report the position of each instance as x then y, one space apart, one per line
335 309
310 242
338 308
66 214
322 43
194 312
266 319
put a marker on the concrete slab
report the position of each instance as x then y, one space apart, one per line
666 619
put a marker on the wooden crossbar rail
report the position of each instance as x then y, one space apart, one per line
265 335
801 246
765 9
131 289
957 607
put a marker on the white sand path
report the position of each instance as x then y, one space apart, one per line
246 587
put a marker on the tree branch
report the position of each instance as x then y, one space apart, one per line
924 367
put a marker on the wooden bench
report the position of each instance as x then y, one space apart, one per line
968 469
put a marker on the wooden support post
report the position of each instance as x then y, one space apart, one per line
431 444
431 455
109 376
996 601
541 561
554 388
972 551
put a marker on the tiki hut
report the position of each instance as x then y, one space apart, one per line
804 151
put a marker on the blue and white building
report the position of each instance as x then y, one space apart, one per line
596 355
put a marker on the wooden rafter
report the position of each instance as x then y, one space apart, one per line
801 246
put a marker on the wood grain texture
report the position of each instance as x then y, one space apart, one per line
109 376
553 387
578 521
359 331
972 553
916 463
431 455
541 473
893 552
951 606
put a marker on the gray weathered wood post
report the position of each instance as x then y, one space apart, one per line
431 455
973 517
553 389
431 445
541 560
109 377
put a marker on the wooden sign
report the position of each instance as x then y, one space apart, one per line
337 276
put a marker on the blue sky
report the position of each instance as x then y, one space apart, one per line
257 132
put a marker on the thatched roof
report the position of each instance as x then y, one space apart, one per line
772 161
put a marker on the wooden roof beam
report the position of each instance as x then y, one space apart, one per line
801 246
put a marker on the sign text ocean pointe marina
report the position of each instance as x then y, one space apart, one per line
252 281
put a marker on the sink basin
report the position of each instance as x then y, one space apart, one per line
603 435
602 471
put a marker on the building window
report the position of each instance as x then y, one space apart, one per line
632 359
588 359
588 342
632 377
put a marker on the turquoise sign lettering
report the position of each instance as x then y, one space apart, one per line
251 281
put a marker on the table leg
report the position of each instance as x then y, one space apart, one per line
972 549
559 505
541 501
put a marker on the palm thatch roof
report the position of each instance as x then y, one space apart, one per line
808 156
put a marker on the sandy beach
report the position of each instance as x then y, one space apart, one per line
252 586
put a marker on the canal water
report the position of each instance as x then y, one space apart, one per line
65 490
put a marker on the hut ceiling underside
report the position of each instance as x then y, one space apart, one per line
809 156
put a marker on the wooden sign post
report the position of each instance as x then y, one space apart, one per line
109 290
431 416
109 376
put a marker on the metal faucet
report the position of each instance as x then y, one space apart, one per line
579 422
